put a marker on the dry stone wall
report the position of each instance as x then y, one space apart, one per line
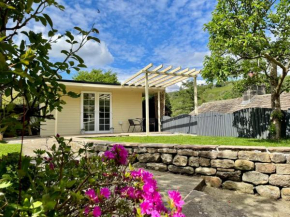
265 171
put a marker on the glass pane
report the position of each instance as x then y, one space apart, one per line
107 127
107 109
102 121
107 115
102 127
89 111
107 121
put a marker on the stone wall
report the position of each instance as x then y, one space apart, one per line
265 171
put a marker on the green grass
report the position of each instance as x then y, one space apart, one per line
8 148
199 140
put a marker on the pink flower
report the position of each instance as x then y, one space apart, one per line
146 207
154 213
51 166
176 198
92 195
109 155
105 192
121 154
87 210
97 211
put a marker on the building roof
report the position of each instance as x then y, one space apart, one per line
232 105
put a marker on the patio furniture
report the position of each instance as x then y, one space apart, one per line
135 123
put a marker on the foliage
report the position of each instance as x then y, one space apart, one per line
26 69
199 140
97 75
250 36
61 182
8 148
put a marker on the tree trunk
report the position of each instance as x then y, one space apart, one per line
276 116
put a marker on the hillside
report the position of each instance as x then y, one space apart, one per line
182 101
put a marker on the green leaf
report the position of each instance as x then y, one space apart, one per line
48 19
28 5
5 184
3 5
2 38
93 38
36 205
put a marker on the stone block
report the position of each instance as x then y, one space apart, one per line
283 169
278 158
214 182
179 160
151 150
144 158
193 161
280 180
187 152
100 147
268 191
222 163
139 165
205 171
265 168
225 170
183 170
166 158
157 166
285 194
140 150
239 186
288 159
244 165
204 162
208 154
254 156
255 177
167 150
228 154
233 176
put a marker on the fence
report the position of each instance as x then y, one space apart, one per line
250 123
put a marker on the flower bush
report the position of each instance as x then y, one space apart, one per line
61 182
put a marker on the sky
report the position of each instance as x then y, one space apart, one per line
136 33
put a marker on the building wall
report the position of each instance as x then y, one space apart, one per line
126 104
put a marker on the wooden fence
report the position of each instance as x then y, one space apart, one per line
249 123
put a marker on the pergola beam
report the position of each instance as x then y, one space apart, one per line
137 74
142 79
164 76
154 70
171 78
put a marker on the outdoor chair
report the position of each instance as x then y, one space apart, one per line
132 123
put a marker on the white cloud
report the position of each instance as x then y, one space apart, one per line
94 54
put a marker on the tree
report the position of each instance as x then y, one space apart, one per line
27 73
251 36
97 75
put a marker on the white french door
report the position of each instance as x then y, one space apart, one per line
96 112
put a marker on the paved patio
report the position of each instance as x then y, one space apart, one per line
212 202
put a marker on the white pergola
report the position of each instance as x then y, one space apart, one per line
159 78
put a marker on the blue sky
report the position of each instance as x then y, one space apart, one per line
136 33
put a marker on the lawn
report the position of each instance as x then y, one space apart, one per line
8 148
199 140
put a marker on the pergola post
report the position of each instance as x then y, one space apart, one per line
195 95
159 113
147 102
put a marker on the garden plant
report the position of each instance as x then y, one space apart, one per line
63 182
